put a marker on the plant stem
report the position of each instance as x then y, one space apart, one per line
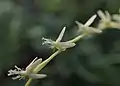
28 82
44 63
77 38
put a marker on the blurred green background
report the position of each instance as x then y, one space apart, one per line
93 62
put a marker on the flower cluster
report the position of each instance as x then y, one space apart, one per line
106 21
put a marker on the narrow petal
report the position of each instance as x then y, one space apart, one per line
94 30
33 64
17 77
19 69
91 20
61 35
101 15
116 17
37 76
108 15
80 26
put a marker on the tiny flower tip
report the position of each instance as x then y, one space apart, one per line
76 22
61 35
101 14
94 16
91 20
36 57
79 24
37 76
99 11
98 31
64 27
107 14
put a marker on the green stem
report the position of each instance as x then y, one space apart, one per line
77 38
42 65
28 82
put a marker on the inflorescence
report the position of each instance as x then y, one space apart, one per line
31 71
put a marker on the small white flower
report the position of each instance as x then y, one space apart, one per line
58 44
106 20
28 72
104 16
86 29
116 17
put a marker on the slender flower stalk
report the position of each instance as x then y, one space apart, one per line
44 63
31 71
77 38
37 65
